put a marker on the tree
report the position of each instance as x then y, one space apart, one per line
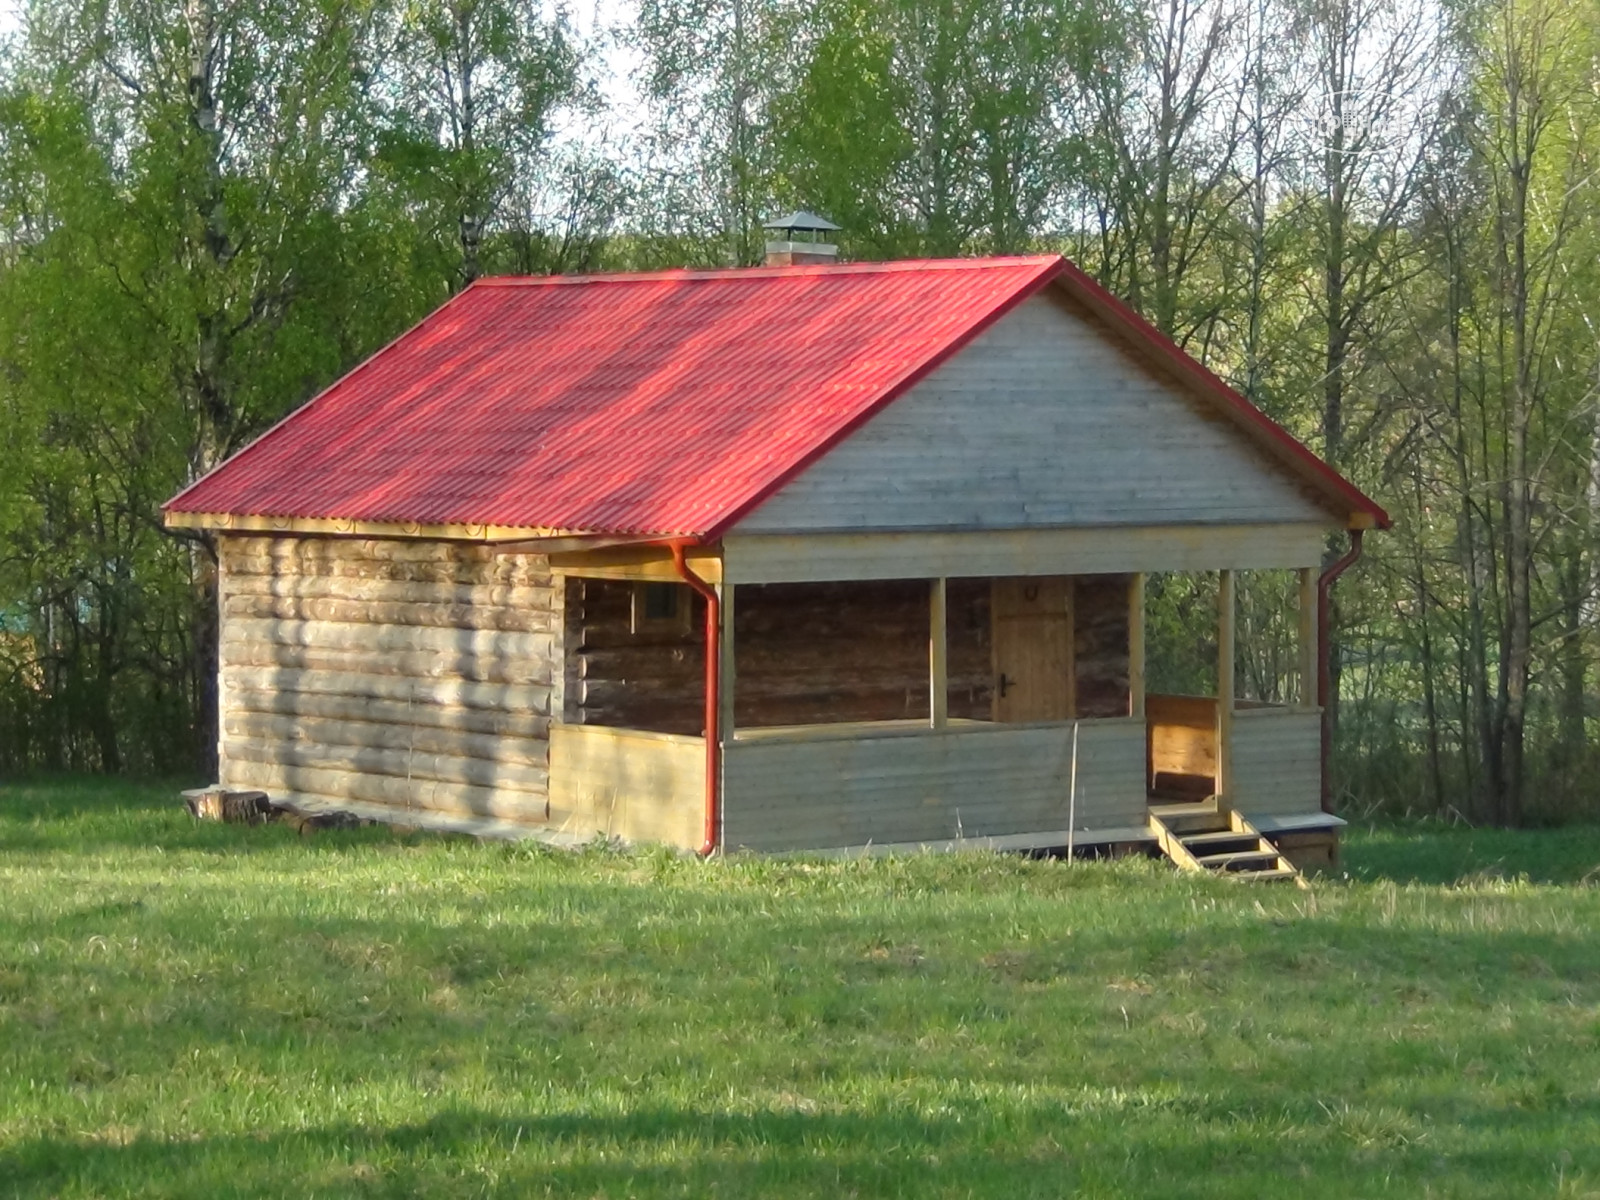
476 86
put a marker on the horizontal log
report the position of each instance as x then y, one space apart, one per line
326 549
384 549
384 639
533 698
277 779
400 764
423 739
408 713
307 587
663 718
419 664
501 571
374 612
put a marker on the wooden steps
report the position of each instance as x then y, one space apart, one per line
1198 836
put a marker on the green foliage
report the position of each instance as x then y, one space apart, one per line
212 212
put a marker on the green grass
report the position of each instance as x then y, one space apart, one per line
211 1011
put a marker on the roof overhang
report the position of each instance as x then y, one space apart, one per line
237 523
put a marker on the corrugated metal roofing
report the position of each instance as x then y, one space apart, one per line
663 403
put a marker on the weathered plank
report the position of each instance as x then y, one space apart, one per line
400 764
399 591
1107 550
421 664
279 778
378 638
418 739
1277 761
963 781
629 784
466 693
411 712
446 616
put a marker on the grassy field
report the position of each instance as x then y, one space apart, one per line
213 1011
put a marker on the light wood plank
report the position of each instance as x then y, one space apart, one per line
1136 666
644 563
1308 637
962 782
1227 608
938 656
1042 420
630 784
1277 762
1106 550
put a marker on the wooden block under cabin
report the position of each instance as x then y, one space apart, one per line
224 804
1310 850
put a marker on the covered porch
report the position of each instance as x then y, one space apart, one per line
1005 710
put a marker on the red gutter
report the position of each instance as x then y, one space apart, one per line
1325 584
713 720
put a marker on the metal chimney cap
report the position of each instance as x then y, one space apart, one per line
802 220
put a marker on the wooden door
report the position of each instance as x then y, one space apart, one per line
1032 648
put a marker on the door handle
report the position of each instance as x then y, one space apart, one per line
1005 684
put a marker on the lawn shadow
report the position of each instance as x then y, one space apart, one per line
683 1151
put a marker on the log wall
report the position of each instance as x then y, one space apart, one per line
820 653
418 676
1100 633
804 654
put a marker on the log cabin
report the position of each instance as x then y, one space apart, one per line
811 556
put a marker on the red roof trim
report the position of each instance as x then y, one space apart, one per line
1050 266
1289 447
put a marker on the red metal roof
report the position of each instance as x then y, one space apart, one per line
649 404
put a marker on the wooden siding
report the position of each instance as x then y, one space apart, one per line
1044 420
1277 761
412 676
802 558
627 783
965 781
1182 741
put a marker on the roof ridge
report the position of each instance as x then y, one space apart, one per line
709 274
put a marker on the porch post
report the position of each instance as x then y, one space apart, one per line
938 662
1225 615
725 640
1072 647
1136 645
1308 637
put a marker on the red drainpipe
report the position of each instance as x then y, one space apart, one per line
713 719
1325 584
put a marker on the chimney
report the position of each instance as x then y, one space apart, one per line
795 240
